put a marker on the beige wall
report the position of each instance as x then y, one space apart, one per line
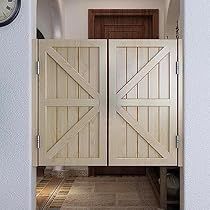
171 17
167 3
69 18
49 18
76 13
44 23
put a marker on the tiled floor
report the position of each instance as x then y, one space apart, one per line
97 193
52 192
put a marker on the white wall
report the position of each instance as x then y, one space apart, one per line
76 13
49 18
172 16
167 2
44 23
17 177
16 174
197 104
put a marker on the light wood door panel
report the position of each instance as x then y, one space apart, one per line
142 102
73 102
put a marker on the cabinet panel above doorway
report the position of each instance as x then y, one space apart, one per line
123 23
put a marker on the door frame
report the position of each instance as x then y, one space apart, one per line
154 13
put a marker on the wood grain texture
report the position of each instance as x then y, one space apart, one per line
120 124
123 23
143 106
84 138
73 111
72 102
61 93
94 123
153 94
143 111
132 136
146 102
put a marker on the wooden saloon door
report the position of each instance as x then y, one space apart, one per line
72 102
142 102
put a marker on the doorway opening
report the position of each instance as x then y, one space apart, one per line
112 182
121 24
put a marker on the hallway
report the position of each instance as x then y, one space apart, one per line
96 193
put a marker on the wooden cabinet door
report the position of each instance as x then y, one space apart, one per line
123 23
142 102
73 102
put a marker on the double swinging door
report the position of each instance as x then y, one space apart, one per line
77 127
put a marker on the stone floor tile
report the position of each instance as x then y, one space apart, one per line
75 208
90 200
79 189
96 179
100 193
109 208
128 196
143 208
78 200
115 187
127 203
132 179
104 200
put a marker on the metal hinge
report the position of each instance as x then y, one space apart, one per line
38 141
177 67
177 29
177 141
38 67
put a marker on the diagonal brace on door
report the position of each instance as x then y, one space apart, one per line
72 72
142 132
72 132
143 72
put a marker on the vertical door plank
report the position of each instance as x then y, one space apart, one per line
132 137
120 123
62 112
164 127
84 72
153 94
164 93
164 78
94 123
51 93
143 92
73 93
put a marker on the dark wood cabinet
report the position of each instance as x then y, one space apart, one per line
123 23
